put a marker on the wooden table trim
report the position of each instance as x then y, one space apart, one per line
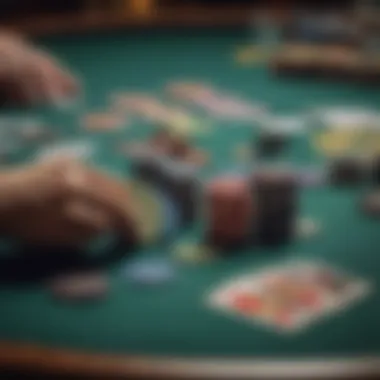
30 358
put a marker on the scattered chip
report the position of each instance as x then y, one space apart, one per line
191 253
150 272
80 286
249 55
307 228
102 121
70 149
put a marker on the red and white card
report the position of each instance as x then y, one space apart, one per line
289 297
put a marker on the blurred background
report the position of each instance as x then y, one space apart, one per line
45 16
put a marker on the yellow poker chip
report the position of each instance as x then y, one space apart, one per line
148 212
192 253
248 55
333 143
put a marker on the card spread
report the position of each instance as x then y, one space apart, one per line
289 297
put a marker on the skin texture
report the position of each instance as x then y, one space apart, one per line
63 202
29 76
60 202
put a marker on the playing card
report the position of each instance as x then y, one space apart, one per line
288 297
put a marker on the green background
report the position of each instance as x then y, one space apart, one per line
174 319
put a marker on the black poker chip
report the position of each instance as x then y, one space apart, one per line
375 170
276 194
348 171
270 144
181 184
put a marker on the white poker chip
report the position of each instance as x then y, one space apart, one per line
307 228
75 150
347 118
284 124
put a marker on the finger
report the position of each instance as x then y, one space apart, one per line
106 193
54 227
86 214
60 83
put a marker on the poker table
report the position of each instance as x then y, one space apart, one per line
169 331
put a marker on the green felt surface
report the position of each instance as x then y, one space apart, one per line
174 319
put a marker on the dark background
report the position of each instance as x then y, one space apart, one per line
14 8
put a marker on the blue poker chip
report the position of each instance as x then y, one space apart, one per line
150 272
171 217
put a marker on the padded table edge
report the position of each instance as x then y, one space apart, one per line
32 358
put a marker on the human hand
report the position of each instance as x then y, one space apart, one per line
29 76
63 203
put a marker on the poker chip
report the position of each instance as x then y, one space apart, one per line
248 55
102 121
284 124
334 143
171 217
271 144
311 177
180 182
80 286
348 170
191 253
148 212
276 195
69 149
307 228
230 213
149 272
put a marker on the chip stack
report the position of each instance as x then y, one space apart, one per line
375 170
161 142
180 147
276 193
348 171
179 181
229 218
270 144
146 166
